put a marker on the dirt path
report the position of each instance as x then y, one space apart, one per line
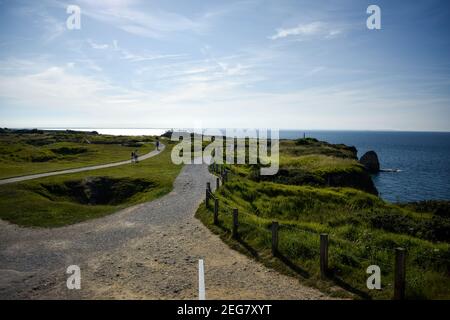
96 167
149 251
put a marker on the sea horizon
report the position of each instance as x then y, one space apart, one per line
98 129
422 158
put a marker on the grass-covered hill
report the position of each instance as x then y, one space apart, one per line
70 198
321 188
316 163
24 152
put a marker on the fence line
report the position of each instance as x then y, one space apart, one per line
297 228
323 250
400 253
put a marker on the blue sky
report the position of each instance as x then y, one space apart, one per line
250 63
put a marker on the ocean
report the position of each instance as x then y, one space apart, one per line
422 158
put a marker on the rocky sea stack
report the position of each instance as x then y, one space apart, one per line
370 161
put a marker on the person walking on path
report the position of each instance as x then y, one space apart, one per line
157 144
136 160
133 157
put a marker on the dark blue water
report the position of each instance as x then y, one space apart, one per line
422 157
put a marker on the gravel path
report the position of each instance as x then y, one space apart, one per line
101 166
149 251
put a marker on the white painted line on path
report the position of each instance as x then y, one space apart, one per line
201 280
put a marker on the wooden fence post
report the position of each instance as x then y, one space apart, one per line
216 211
208 186
323 255
207 199
235 223
400 274
274 238
217 183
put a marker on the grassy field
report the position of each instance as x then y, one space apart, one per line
320 188
363 229
45 151
71 198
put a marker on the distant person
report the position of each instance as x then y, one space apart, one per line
136 160
133 158
157 144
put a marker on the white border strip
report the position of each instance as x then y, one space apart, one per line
201 280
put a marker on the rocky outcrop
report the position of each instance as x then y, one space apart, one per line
360 180
370 161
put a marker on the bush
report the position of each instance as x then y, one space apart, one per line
69 150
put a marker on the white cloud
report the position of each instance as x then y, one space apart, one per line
152 23
54 28
127 55
99 46
139 57
49 27
236 69
305 31
333 33
52 87
52 95
89 64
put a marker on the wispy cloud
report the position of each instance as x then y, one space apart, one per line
99 46
125 16
50 27
88 64
143 63
54 28
126 54
62 89
305 31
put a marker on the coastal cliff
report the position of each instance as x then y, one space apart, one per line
317 163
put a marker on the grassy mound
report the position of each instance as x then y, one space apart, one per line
24 152
315 163
67 199
363 230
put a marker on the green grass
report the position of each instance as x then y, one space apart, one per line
322 188
315 163
357 240
321 164
31 204
309 146
318 157
24 154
